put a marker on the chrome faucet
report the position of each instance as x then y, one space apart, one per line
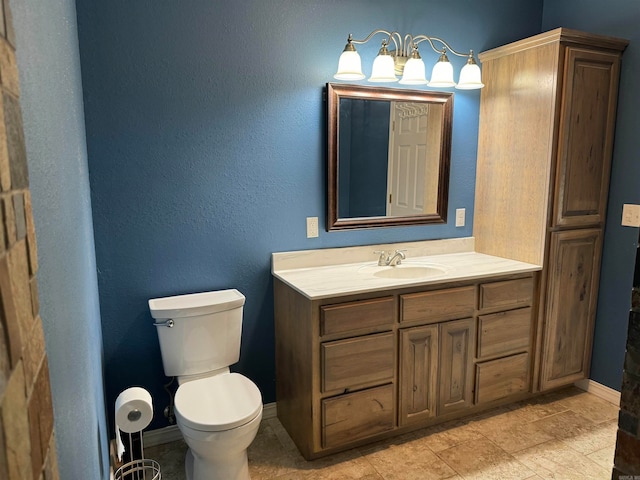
387 259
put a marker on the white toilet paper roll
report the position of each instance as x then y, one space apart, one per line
134 411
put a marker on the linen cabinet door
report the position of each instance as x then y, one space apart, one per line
574 270
457 341
418 373
585 138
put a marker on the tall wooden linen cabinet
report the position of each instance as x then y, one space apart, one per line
546 132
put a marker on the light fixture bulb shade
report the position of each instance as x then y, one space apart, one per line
349 66
383 69
414 73
470 77
442 74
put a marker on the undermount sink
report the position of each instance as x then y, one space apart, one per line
404 270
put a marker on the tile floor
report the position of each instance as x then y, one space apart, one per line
568 434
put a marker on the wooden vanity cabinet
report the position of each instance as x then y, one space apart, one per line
436 357
335 367
505 339
547 115
358 368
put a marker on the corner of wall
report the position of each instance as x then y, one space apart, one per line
27 440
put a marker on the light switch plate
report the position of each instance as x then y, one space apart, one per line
631 215
312 227
460 214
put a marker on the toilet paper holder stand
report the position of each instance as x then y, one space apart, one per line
132 402
140 469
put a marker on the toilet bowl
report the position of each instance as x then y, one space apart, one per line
219 417
217 412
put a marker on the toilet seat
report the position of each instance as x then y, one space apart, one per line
217 403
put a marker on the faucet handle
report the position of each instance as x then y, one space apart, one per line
382 260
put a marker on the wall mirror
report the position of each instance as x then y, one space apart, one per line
389 152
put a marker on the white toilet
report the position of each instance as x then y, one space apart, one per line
218 412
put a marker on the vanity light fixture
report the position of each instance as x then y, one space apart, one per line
406 62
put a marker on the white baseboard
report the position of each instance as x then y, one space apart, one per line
599 390
161 436
172 433
269 410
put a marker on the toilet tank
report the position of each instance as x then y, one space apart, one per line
204 334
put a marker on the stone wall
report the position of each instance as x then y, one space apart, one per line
627 457
27 442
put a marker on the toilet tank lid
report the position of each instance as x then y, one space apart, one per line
195 304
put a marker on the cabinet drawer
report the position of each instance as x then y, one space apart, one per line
357 415
438 305
501 378
508 294
344 317
357 361
504 333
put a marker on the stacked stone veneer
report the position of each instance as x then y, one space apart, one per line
27 445
627 457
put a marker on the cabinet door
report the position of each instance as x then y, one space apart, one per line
457 339
590 92
418 373
574 268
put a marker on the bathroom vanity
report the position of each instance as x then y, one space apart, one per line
366 351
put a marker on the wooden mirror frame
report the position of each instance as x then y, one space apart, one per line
337 91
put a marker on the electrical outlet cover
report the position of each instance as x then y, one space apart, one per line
631 215
312 227
460 217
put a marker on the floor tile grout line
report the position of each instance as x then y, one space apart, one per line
509 454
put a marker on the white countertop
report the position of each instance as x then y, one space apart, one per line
335 272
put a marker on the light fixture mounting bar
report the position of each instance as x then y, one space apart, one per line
391 37
403 46
445 46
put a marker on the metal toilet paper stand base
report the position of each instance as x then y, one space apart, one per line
142 469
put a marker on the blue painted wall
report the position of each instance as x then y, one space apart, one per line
617 18
206 140
51 100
